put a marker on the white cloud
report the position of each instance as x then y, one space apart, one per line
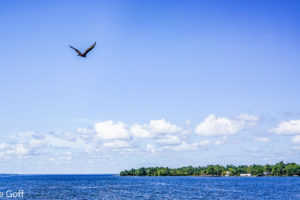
33 144
140 132
18 149
110 131
52 140
213 126
168 140
163 127
157 135
287 127
104 135
154 128
296 139
262 139
13 150
217 126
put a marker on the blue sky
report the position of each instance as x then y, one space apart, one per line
170 83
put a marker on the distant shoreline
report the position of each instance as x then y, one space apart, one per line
210 176
279 170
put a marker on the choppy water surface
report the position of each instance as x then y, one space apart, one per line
115 187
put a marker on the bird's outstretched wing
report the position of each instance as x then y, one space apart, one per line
79 53
89 49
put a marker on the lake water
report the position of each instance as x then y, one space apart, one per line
116 187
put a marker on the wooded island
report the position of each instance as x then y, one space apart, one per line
279 169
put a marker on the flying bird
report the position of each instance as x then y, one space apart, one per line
86 51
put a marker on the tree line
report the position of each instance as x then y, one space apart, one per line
279 169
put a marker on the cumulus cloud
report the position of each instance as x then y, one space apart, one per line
34 144
110 131
140 132
296 139
154 136
13 150
52 140
17 149
154 129
288 127
213 126
163 127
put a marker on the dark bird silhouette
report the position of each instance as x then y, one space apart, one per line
86 51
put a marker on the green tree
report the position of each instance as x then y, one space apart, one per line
279 169
292 169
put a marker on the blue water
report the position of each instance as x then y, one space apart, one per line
116 187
